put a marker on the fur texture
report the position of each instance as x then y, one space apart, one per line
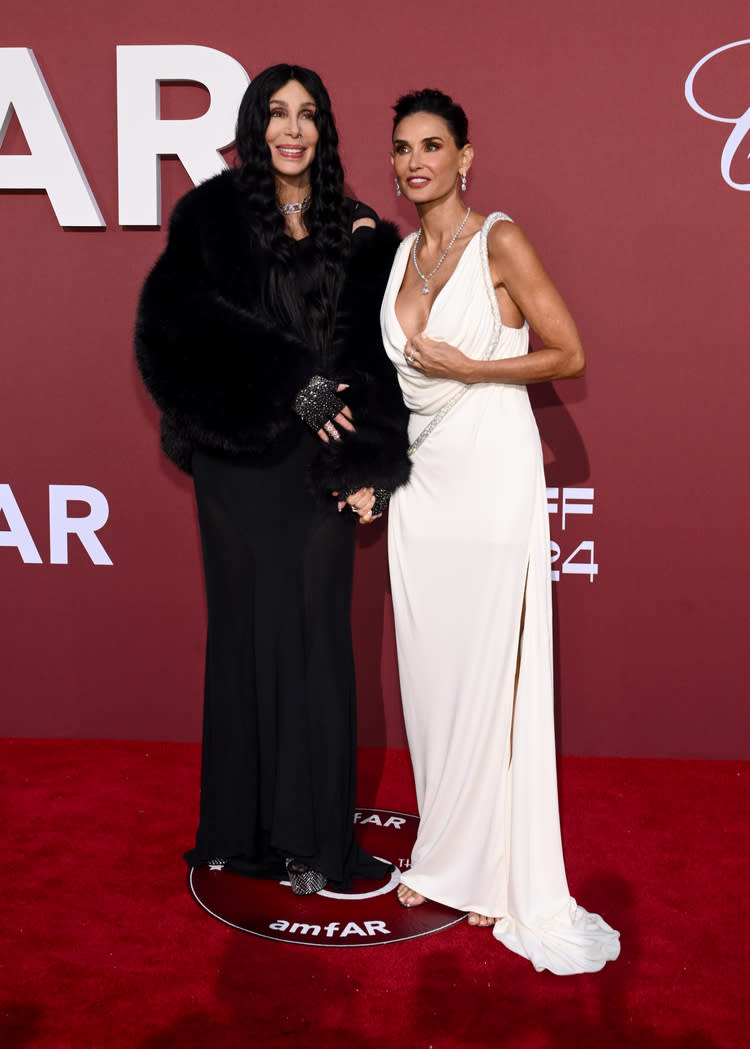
225 375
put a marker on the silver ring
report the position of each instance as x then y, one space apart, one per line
354 510
410 358
330 429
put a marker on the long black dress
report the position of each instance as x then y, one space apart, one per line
279 737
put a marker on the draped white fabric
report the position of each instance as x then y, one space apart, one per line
468 538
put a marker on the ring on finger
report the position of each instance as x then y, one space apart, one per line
330 429
410 358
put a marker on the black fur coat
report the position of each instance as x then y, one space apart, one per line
225 375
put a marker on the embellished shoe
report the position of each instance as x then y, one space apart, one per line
305 881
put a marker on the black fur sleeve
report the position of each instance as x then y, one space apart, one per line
221 374
376 454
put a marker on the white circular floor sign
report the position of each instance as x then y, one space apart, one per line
369 915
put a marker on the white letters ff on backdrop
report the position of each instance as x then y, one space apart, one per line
141 133
741 123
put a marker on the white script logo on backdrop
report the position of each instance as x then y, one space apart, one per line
142 136
61 525
741 123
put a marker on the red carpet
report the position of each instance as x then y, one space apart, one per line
103 948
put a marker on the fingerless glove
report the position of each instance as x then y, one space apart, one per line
382 498
317 402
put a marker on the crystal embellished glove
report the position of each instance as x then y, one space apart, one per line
382 498
317 402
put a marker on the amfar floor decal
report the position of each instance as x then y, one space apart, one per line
369 916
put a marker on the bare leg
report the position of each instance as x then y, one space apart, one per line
518 662
483 921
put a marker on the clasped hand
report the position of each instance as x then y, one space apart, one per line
363 500
436 359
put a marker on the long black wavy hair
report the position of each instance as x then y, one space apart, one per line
429 100
311 309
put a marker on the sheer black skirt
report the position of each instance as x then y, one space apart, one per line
278 771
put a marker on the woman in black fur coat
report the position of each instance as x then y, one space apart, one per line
258 337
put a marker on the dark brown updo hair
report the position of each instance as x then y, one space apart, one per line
428 100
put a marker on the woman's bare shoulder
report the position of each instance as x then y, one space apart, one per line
505 235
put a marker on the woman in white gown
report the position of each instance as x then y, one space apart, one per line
469 555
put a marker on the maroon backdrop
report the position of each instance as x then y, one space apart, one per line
583 133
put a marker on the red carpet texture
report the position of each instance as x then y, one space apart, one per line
103 948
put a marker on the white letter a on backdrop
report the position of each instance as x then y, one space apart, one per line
52 164
17 533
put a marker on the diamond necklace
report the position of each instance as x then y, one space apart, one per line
427 276
295 209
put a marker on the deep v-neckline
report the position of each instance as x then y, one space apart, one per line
407 253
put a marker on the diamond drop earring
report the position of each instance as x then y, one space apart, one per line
463 181
398 188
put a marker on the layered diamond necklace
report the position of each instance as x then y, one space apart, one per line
428 276
297 208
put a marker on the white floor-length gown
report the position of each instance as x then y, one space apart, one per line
468 538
